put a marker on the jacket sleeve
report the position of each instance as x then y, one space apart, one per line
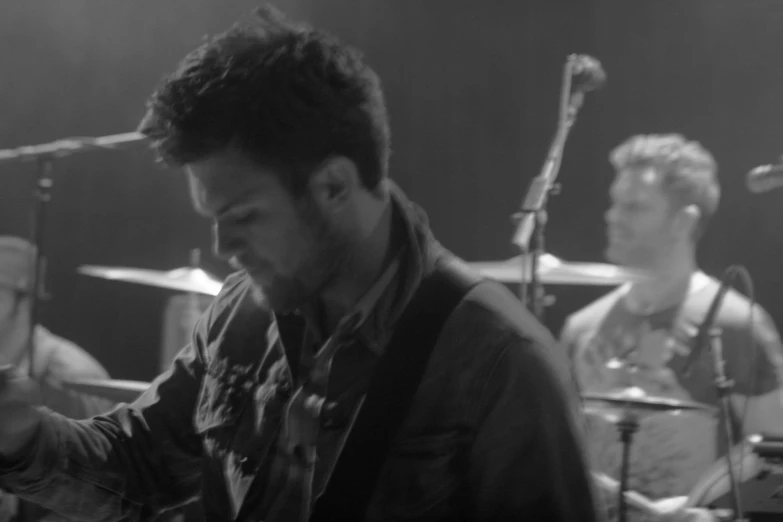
529 461
128 464
70 403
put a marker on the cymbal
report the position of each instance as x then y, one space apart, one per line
183 279
553 270
637 399
112 389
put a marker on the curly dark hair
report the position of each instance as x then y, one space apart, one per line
688 170
279 91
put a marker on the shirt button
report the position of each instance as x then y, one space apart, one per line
313 404
330 416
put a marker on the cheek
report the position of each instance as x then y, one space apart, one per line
643 225
6 311
282 247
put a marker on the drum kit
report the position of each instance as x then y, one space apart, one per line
194 280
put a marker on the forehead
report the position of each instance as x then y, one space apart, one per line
638 184
223 180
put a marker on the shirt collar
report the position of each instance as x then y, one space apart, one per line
373 316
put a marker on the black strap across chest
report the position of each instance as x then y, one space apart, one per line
390 394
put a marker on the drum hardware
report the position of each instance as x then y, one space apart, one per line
762 489
636 399
723 387
710 337
632 401
44 155
762 498
185 279
553 270
627 425
116 390
768 448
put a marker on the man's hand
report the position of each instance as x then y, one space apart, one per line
19 396
673 510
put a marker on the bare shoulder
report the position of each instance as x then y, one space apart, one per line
65 359
589 315
739 313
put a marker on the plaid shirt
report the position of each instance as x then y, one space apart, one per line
295 462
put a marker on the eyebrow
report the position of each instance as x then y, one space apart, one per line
232 205
224 208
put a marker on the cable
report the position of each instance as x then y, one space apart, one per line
735 477
750 293
747 283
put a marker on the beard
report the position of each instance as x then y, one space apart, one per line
644 255
323 257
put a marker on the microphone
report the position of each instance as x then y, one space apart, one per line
765 178
588 75
702 337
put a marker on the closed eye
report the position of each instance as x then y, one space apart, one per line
244 219
237 218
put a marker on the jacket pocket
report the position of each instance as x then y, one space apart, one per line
423 478
220 405
238 415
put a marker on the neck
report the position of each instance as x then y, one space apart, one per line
362 268
665 283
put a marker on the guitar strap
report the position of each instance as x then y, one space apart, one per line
390 394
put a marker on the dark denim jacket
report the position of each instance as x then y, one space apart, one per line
492 435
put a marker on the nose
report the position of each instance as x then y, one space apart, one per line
226 243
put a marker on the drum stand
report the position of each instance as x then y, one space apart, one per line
43 195
626 426
629 424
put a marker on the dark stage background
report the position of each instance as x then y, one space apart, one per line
472 89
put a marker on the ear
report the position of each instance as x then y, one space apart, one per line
688 219
333 183
197 193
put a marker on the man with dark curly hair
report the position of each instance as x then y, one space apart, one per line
352 369
664 193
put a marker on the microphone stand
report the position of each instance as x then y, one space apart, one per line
532 217
627 426
710 337
45 155
723 386
43 195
